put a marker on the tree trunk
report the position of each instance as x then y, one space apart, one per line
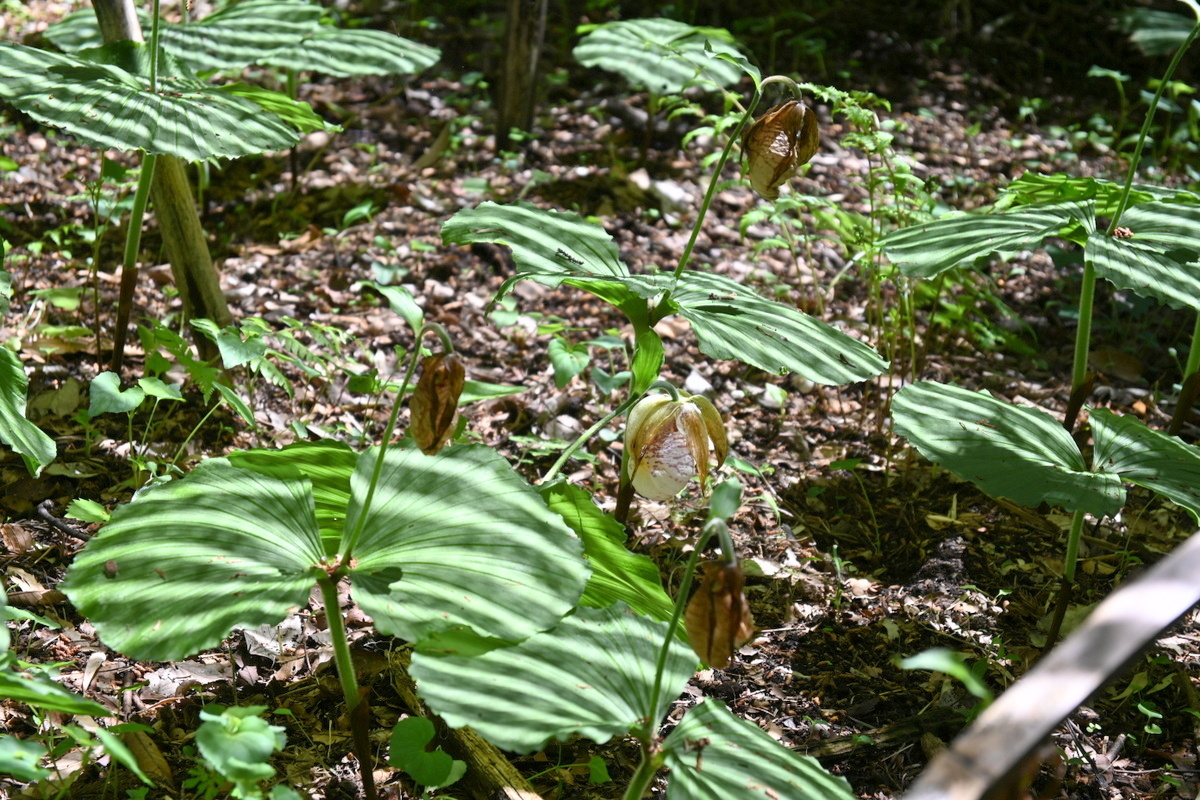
171 196
525 28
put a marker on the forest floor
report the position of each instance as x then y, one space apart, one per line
860 553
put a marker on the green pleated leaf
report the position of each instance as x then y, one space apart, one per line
617 574
592 675
732 322
106 106
459 539
928 249
547 246
1155 33
1009 451
1034 188
233 38
345 53
327 464
1159 259
183 563
26 439
1161 463
40 691
713 755
662 55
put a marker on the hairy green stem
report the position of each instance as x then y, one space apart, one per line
1083 332
352 540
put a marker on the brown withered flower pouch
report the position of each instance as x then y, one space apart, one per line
718 617
435 401
777 144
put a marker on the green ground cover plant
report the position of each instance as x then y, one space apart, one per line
525 592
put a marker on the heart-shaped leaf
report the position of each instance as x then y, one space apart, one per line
713 755
106 106
662 55
1010 451
567 359
105 396
930 248
409 752
459 539
1161 463
592 675
26 439
183 563
1154 253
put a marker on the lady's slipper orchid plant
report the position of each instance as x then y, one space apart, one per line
777 144
667 440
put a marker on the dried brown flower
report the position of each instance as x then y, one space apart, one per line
435 401
777 144
718 618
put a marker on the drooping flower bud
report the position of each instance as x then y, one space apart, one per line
718 617
435 401
777 144
668 441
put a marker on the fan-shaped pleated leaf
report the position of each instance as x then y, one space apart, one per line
345 53
106 106
592 675
713 755
732 322
1009 451
233 38
327 464
26 439
1035 188
1161 463
183 563
459 539
1160 256
547 246
662 55
1155 33
617 574
930 248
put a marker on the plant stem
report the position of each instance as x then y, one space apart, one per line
1083 333
588 434
643 776
154 24
345 669
129 266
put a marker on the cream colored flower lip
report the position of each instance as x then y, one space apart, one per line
668 443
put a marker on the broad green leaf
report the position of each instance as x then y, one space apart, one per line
402 302
663 56
1161 463
617 574
106 106
547 246
183 563
345 53
458 539
1155 33
713 755
294 112
732 322
930 248
567 359
26 439
592 675
153 387
1009 451
235 349
239 744
105 396
232 38
1159 258
647 359
327 464
1033 188
474 391
117 751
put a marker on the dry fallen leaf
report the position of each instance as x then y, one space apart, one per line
718 617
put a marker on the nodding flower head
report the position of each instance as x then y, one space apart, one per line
777 144
435 401
668 442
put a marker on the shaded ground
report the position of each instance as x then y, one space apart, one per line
860 552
